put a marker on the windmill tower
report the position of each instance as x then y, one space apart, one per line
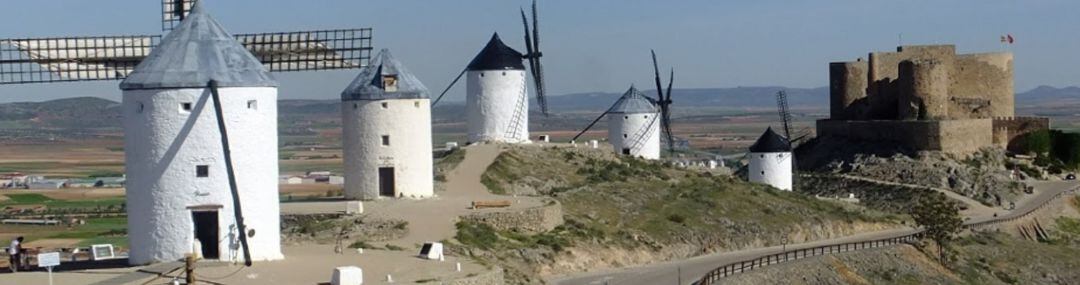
177 104
386 116
635 120
496 100
770 161
634 125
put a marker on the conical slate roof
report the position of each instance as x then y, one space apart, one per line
369 84
497 56
633 101
770 141
194 53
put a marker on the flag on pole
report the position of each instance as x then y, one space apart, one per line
1007 38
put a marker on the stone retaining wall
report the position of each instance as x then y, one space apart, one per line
494 276
530 220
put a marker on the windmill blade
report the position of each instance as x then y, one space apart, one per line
310 50
591 125
538 67
785 115
656 71
448 88
42 60
173 12
666 109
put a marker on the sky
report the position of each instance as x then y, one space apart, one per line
600 45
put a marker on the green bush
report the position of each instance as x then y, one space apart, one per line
476 235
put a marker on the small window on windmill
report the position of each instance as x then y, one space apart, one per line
385 105
185 107
389 82
140 108
202 171
386 140
625 136
253 105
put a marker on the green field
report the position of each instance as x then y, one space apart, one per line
38 199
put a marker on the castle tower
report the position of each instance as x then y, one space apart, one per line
634 125
926 94
177 185
497 104
386 116
770 161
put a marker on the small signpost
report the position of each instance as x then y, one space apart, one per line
48 260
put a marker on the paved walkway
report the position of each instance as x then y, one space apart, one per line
688 270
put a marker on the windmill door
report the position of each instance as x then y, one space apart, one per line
206 230
386 181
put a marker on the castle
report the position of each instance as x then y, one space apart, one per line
926 98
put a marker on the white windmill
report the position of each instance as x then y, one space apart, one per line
180 107
497 104
386 116
635 120
771 161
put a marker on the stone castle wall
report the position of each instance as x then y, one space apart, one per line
1007 129
975 85
927 98
951 136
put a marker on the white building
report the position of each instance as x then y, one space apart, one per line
634 125
178 191
770 161
47 184
386 116
496 100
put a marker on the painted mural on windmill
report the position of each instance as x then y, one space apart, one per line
179 199
386 116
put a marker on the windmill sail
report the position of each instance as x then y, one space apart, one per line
72 59
174 11
114 57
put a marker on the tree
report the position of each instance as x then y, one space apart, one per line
940 219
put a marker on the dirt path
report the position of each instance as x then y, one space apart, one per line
434 219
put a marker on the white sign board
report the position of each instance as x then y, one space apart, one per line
48 259
102 251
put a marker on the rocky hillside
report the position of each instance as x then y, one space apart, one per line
623 211
984 176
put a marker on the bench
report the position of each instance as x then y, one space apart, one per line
490 204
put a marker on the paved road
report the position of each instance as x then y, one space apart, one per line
688 270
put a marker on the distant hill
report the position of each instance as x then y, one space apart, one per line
79 112
1047 95
733 98
97 113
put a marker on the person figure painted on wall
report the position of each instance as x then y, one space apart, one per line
15 251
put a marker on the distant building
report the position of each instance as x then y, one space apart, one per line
47 184
111 182
291 180
82 183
